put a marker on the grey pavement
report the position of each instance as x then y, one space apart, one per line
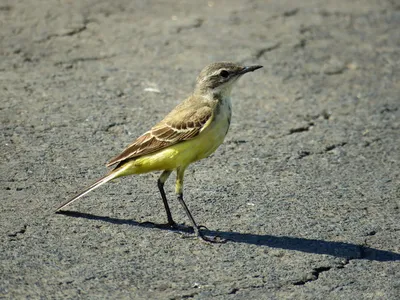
306 186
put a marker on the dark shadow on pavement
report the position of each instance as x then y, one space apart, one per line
337 249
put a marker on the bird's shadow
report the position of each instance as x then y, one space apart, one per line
337 249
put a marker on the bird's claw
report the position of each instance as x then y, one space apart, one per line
214 240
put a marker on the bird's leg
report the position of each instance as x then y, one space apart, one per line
161 180
196 228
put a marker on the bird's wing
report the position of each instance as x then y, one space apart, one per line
185 122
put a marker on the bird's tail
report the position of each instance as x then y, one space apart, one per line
114 174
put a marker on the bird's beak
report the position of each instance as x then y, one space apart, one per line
249 69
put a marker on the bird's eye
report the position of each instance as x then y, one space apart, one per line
224 73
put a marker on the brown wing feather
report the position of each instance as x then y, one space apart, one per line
185 122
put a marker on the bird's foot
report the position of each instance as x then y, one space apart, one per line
215 239
171 224
200 235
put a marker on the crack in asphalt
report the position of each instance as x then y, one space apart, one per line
18 232
261 51
83 59
316 272
301 128
195 24
334 146
68 32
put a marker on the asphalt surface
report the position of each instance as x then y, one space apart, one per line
305 187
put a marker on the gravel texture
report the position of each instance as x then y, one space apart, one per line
306 185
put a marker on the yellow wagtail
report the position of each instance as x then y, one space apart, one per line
190 132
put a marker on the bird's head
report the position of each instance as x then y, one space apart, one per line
219 78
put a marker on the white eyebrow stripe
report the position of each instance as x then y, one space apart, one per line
216 72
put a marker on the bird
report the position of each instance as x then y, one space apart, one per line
193 130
